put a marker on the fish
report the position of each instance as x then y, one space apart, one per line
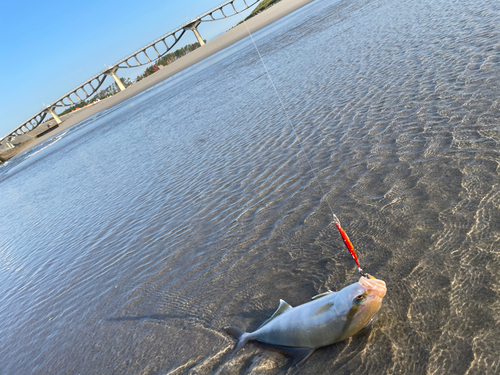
329 318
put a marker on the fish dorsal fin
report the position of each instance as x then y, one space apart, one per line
281 309
323 308
323 294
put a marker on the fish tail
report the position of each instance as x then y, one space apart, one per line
239 335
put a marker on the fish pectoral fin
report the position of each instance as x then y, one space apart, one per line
323 308
281 309
323 294
300 355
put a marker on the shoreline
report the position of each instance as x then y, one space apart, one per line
238 32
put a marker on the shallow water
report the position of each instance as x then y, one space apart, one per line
129 241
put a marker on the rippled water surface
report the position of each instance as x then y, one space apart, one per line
128 242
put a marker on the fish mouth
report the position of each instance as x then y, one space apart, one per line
374 284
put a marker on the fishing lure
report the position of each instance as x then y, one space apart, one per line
349 246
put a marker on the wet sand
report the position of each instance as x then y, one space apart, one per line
233 35
130 242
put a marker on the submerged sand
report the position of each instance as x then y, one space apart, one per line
237 33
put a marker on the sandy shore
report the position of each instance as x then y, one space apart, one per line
237 33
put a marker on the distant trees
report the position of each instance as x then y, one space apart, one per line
82 104
177 54
259 8
108 91
167 59
113 88
152 69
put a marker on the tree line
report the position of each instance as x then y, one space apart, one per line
259 8
167 59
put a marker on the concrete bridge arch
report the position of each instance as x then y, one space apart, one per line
157 48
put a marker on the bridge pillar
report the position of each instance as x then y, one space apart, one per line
119 83
54 115
194 28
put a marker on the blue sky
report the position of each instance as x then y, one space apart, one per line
48 48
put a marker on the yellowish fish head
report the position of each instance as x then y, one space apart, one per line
368 300
374 291
365 299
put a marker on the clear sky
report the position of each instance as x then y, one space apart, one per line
48 48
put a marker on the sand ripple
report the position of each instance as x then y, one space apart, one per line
130 242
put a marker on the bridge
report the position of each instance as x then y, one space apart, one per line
143 56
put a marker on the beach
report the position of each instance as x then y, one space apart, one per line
233 35
130 240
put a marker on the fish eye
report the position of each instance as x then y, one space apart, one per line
359 298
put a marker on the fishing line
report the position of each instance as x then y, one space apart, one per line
347 242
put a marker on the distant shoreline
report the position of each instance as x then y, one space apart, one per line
262 19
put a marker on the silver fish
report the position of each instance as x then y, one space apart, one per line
329 318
